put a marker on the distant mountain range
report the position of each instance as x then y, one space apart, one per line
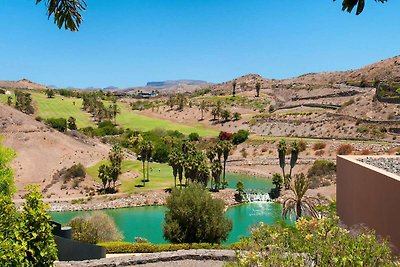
384 70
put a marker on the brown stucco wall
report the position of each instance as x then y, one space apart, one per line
370 196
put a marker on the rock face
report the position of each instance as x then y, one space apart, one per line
161 258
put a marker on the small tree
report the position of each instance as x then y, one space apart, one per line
240 190
234 87
72 123
104 175
49 93
299 204
258 87
236 116
38 240
193 216
194 137
9 100
225 115
98 227
115 156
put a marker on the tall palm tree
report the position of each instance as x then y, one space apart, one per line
299 204
295 150
282 154
115 156
203 107
172 161
258 87
234 87
149 147
216 170
226 148
143 157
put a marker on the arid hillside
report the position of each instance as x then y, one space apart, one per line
384 70
21 84
42 151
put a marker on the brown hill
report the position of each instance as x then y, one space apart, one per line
384 70
42 151
21 84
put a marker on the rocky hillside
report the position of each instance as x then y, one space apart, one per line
384 70
21 84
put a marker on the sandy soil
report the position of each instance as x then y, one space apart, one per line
41 151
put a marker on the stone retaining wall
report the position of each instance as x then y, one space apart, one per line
180 255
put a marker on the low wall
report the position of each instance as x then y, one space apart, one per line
370 196
175 256
71 250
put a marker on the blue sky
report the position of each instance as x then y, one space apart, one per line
129 42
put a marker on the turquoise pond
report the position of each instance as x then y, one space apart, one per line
147 222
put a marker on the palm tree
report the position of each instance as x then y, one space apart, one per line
282 154
299 204
295 150
143 157
216 170
218 109
149 148
114 110
172 161
234 87
104 175
203 107
258 87
115 156
226 148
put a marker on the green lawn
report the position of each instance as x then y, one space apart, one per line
134 120
160 176
61 107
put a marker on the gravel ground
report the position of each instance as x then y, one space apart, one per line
185 263
391 165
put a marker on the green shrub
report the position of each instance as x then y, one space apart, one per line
322 168
346 149
161 153
127 247
318 146
362 129
98 227
76 170
320 241
194 137
60 124
240 136
106 128
193 216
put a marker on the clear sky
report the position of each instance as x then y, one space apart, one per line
129 42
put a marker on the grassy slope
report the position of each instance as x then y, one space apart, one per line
158 179
134 120
61 107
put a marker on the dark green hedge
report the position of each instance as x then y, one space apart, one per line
127 247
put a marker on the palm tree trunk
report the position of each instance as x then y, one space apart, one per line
284 178
144 175
148 180
298 210
223 177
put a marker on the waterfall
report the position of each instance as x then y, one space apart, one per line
256 196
